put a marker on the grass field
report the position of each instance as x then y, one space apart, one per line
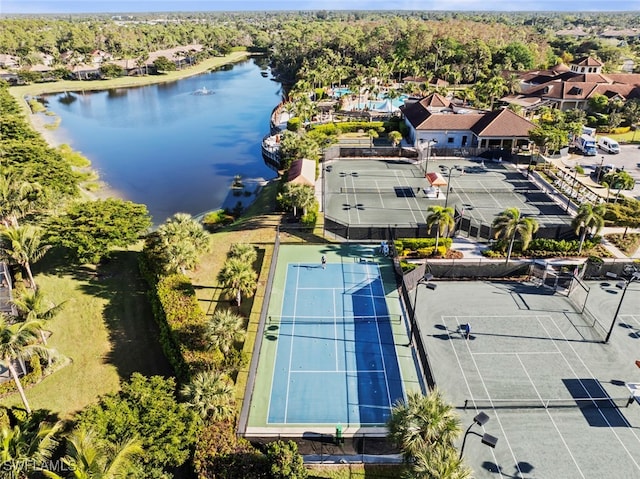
106 328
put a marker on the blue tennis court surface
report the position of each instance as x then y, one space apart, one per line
336 360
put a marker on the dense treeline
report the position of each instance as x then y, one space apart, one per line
455 46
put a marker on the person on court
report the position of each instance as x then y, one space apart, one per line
466 330
323 260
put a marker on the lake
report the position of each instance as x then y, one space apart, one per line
169 146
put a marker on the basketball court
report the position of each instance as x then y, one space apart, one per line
558 399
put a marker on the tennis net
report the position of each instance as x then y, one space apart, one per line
583 403
496 191
385 190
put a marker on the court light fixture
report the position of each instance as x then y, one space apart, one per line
432 286
623 285
480 419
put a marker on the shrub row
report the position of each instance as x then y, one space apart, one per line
415 244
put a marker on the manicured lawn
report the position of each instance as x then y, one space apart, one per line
106 329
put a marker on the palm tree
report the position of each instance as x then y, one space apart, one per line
23 244
25 445
589 217
442 219
223 329
211 395
17 197
423 424
510 223
243 251
182 241
440 463
238 278
18 341
89 459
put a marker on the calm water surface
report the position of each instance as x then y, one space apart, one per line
168 148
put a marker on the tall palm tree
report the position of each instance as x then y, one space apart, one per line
440 463
589 218
223 329
305 197
24 245
211 395
442 219
88 459
510 223
18 341
238 278
182 241
25 445
423 424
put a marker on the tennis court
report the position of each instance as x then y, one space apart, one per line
335 344
396 192
557 397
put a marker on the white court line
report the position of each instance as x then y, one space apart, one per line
273 373
418 206
384 363
379 194
579 356
355 197
335 334
519 352
466 382
346 371
406 199
293 328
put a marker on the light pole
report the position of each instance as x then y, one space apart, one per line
424 280
623 285
449 170
600 170
531 146
487 439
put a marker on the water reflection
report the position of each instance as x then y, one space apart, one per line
165 147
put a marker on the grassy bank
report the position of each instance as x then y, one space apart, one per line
106 328
124 82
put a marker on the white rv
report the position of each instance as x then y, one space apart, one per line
608 145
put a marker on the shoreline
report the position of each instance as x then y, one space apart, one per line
38 121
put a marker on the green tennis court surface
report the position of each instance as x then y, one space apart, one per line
334 349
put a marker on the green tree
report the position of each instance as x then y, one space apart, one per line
285 461
18 341
163 64
621 180
223 329
91 229
26 445
423 424
17 198
244 252
395 137
33 306
510 223
211 395
631 112
182 240
439 463
146 408
589 218
90 458
442 219
238 278
23 245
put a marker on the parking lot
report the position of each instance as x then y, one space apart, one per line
628 158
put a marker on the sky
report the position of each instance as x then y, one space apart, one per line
122 6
